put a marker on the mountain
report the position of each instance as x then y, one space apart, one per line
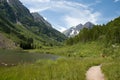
109 34
45 27
39 18
25 29
6 43
15 11
88 25
75 30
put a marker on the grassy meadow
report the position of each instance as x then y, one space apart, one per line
72 64
61 69
78 50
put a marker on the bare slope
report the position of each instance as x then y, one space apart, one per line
6 43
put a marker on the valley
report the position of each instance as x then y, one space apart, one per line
31 49
73 63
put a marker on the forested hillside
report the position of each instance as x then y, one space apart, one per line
108 34
19 25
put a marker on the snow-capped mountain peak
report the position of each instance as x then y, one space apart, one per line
76 29
7 1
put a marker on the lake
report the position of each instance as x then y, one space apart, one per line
9 57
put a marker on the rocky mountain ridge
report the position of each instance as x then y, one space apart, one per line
25 28
71 32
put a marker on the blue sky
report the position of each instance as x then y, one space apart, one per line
63 14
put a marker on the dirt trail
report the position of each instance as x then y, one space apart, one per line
95 73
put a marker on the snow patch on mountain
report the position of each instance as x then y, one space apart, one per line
77 32
73 31
8 1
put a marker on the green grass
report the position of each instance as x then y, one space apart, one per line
112 70
73 64
61 69
91 49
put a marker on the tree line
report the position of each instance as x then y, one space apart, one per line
109 33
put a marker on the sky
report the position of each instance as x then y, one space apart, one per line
63 14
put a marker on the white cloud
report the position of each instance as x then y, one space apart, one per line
94 3
45 18
116 0
72 21
81 16
32 1
59 28
73 13
38 9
